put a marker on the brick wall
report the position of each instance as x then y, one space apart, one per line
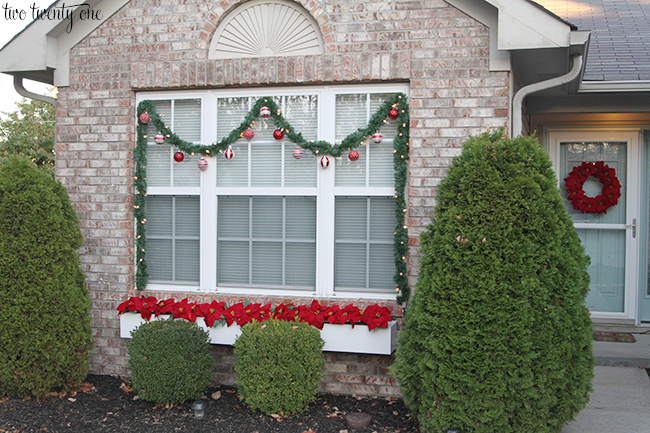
163 44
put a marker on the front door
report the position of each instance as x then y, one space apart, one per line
608 229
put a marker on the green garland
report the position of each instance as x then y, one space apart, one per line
320 147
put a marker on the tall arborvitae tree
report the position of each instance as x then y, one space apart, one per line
497 338
44 304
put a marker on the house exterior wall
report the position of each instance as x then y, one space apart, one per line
163 45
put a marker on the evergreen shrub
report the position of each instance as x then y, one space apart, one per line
497 338
170 361
278 365
45 334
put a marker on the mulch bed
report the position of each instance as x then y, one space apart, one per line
107 404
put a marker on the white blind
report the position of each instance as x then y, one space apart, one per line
159 156
265 161
375 164
173 239
183 116
363 256
266 242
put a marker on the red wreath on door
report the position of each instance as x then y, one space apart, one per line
609 195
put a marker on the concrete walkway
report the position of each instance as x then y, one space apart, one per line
620 403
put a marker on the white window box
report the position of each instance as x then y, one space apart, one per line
338 338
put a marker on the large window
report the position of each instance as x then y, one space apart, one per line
266 222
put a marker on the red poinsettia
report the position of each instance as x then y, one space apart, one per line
211 312
286 312
232 313
376 317
184 310
351 314
315 314
145 305
165 306
609 195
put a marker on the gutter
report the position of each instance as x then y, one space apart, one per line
518 100
20 88
614 86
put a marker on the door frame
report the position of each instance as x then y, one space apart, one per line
633 136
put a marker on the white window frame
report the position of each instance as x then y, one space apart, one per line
325 191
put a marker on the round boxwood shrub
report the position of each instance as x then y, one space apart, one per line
44 305
278 365
497 338
170 361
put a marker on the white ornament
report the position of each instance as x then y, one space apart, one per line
265 112
159 138
298 153
377 138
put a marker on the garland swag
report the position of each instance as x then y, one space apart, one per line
397 101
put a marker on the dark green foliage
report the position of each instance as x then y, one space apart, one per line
170 361
278 365
44 305
497 338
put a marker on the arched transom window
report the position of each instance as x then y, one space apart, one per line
266 28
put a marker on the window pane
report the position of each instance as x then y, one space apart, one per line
382 267
302 113
233 263
233 172
363 255
301 218
351 218
173 250
299 264
267 217
233 221
299 172
159 155
230 114
282 245
159 259
267 263
266 163
351 114
350 266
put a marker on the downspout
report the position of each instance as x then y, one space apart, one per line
18 85
518 100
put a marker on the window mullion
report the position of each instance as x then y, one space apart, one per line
250 240
325 215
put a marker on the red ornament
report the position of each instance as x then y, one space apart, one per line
278 134
248 135
298 153
324 162
265 112
609 195
159 138
377 138
179 157
353 155
145 118
393 113
229 153
202 164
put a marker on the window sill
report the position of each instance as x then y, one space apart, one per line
338 338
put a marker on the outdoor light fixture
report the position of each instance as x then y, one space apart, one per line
199 412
